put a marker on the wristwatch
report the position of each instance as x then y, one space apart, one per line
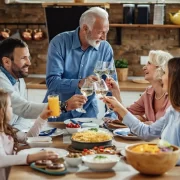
63 106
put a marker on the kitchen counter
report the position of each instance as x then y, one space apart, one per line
129 85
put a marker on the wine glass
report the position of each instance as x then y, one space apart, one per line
99 70
87 90
101 90
109 69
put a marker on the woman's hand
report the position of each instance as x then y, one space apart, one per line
42 155
112 85
45 113
114 104
114 88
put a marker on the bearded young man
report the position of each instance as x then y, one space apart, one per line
14 64
72 57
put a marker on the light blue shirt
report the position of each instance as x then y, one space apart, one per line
67 64
167 127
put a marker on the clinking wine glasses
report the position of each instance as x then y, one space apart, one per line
87 90
104 68
99 70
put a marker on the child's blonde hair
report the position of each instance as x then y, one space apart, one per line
160 59
4 126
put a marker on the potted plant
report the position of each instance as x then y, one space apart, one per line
122 69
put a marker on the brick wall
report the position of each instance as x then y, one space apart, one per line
135 42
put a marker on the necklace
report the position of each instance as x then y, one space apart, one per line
158 98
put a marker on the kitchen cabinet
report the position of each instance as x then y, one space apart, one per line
36 95
129 98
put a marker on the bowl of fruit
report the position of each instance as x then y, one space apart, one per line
150 158
72 128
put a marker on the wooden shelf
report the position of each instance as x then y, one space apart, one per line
120 26
171 26
104 5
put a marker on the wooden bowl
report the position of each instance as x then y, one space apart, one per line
152 164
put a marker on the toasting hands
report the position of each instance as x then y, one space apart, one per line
91 78
75 102
114 104
114 88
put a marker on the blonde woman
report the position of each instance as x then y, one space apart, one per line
154 101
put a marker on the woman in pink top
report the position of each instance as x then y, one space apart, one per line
154 101
10 138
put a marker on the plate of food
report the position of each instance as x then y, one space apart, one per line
125 133
88 139
100 162
112 125
61 152
49 167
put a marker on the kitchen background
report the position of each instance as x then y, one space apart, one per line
136 42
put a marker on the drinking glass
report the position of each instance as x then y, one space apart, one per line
110 69
87 90
54 105
99 70
101 90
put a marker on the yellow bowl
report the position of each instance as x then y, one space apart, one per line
152 164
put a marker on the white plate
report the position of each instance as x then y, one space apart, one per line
61 152
85 120
124 135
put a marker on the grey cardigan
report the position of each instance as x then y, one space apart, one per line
18 92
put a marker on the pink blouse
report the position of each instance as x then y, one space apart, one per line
144 106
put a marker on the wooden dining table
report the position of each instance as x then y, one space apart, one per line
25 172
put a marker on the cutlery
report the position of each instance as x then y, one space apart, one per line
79 122
48 132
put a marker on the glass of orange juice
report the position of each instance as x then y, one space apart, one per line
54 105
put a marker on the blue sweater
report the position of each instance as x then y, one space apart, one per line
167 127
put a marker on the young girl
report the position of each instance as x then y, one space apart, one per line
168 126
9 138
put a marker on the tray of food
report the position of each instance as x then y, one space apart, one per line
49 167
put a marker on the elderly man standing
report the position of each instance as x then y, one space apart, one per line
72 57
14 64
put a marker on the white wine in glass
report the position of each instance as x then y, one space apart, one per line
86 90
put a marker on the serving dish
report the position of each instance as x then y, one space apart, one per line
89 145
39 141
89 138
100 162
47 172
151 163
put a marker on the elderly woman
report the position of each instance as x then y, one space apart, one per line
168 126
154 101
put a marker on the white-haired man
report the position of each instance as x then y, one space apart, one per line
72 57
